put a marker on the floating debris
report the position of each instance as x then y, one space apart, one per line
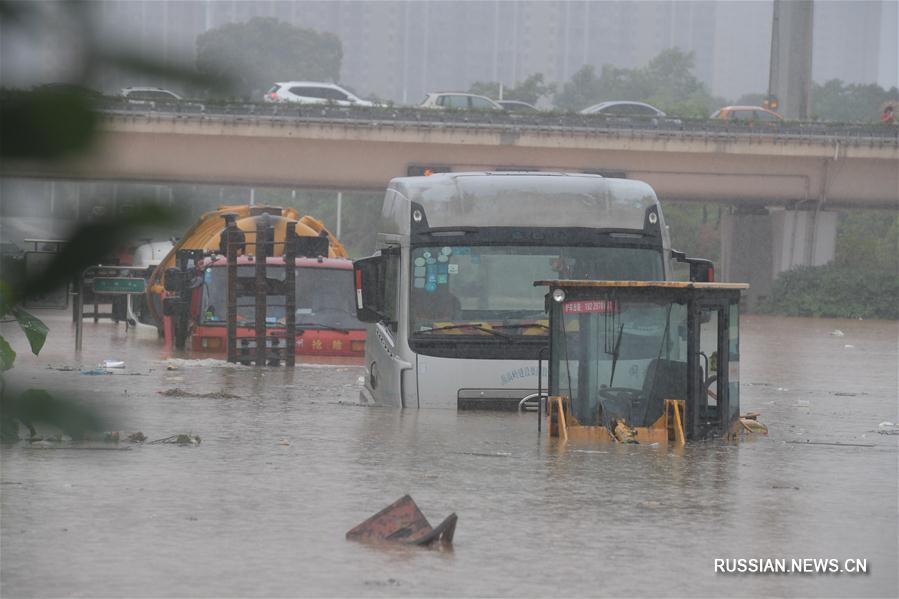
832 444
498 454
888 428
180 439
110 363
624 433
837 333
403 522
95 372
750 423
176 392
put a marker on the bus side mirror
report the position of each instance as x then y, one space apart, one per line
701 271
370 280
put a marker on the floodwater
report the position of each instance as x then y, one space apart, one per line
290 462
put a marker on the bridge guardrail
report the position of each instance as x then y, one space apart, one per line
809 130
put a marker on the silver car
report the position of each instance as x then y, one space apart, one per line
312 92
459 101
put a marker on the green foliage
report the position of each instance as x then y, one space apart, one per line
264 50
50 124
45 125
695 229
7 355
834 290
841 102
869 239
530 90
862 281
666 82
86 247
837 101
753 99
35 330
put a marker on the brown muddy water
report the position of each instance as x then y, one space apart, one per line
289 462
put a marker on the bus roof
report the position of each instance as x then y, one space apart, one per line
519 199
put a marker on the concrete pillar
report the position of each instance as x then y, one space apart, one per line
802 238
790 76
746 253
759 244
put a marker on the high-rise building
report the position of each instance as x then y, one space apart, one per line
399 50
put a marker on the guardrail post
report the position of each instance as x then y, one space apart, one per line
261 303
79 312
290 294
231 315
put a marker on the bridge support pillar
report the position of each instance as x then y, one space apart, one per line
758 244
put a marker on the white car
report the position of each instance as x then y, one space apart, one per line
312 92
459 101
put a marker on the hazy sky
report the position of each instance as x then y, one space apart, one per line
400 50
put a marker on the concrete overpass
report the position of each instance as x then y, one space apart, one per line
759 167
782 182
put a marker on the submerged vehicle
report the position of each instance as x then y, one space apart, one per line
644 362
188 292
455 321
326 323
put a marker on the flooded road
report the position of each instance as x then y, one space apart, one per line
289 462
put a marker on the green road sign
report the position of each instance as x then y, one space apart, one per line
114 285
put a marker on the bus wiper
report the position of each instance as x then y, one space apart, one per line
523 325
615 354
316 325
470 325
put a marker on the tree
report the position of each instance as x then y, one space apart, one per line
666 82
530 90
581 91
263 50
840 102
836 101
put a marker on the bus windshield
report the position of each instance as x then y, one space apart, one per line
324 297
486 290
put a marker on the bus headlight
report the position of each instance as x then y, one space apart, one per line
559 295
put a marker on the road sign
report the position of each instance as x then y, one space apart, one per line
119 285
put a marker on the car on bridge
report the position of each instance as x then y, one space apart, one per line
146 95
458 101
312 92
747 114
154 97
623 111
517 106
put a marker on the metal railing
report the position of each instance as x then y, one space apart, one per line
815 131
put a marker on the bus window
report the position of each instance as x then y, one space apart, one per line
494 284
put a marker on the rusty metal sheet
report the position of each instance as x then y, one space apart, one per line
403 522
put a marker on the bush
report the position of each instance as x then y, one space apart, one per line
835 290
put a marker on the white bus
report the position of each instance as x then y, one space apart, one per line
455 320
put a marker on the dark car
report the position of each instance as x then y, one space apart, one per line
630 112
517 106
